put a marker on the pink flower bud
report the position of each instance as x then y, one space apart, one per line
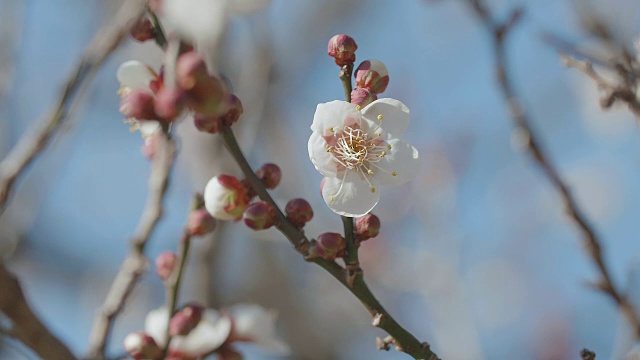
185 320
259 216
234 109
372 74
225 197
169 103
166 262
367 227
328 246
343 49
205 93
143 30
200 223
251 193
363 97
142 346
299 212
270 174
138 104
209 124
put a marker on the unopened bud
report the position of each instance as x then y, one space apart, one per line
169 103
234 109
209 124
373 75
205 93
143 30
299 212
200 223
270 174
259 216
328 246
367 227
362 97
138 104
343 49
185 320
166 262
141 346
225 197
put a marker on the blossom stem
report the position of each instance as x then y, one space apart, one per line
345 77
402 338
351 255
173 284
160 37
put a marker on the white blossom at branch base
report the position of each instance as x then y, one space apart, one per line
135 75
256 324
204 20
209 335
357 150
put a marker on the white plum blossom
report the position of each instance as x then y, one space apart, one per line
135 75
212 331
256 324
357 150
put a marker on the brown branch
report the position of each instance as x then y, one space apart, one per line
586 354
520 118
135 265
26 326
403 339
33 142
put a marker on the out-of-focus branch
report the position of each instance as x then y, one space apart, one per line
26 326
33 142
402 339
591 241
586 354
135 265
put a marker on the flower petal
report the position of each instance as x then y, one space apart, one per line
401 159
258 325
212 331
155 325
198 20
350 195
334 114
395 115
321 159
135 75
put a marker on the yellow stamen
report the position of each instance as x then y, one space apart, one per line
380 117
394 173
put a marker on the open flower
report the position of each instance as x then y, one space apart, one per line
136 76
357 150
253 323
212 331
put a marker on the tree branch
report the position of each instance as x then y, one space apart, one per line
26 326
520 119
404 340
135 265
33 142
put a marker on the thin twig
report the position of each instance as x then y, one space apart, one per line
586 354
351 261
33 142
520 118
26 326
404 340
135 265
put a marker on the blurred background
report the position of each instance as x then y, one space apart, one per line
475 255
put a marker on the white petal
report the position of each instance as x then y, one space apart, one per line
258 324
197 20
402 159
247 7
149 128
334 114
395 115
321 159
212 331
155 325
351 196
135 75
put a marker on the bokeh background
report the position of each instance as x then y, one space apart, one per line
475 255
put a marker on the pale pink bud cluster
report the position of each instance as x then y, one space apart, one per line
342 48
231 113
363 97
299 212
138 104
143 30
166 263
141 346
367 227
260 215
373 75
200 223
328 246
225 197
270 174
185 320
204 93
